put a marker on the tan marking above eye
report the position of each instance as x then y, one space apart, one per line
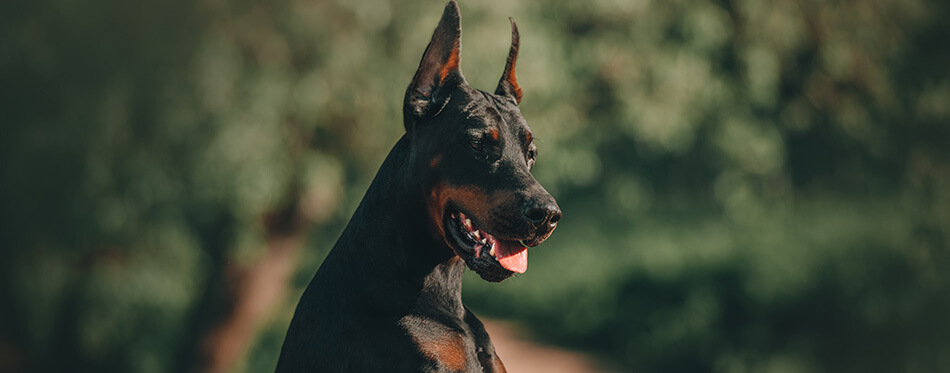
528 137
493 133
435 161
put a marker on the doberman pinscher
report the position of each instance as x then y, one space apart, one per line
456 188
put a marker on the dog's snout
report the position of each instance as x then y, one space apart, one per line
544 214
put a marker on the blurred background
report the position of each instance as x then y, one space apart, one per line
747 186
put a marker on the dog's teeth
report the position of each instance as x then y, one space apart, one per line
468 223
492 251
477 236
485 241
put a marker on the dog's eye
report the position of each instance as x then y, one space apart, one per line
477 144
532 156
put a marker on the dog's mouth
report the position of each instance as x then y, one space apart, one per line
492 258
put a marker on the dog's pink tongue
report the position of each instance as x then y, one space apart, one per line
512 255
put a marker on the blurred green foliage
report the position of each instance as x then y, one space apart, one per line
747 186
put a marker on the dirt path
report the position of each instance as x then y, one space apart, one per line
521 355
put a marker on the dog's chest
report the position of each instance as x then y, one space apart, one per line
453 349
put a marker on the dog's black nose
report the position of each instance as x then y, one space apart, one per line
543 214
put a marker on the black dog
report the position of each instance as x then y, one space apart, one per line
456 188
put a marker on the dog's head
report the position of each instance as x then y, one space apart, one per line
474 153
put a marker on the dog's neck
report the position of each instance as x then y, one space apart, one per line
414 264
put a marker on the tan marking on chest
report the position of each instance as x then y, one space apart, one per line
448 349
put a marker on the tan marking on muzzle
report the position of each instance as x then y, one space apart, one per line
472 200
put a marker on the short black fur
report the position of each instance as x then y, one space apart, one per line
388 296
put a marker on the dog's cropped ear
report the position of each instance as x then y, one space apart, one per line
508 85
439 69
